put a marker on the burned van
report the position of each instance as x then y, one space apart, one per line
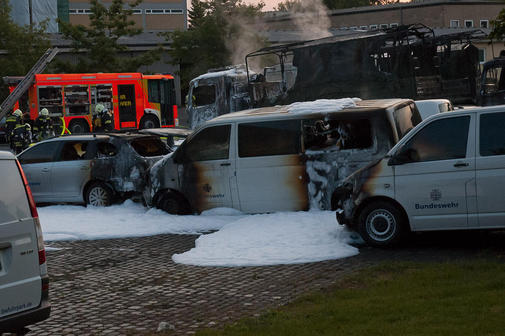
282 158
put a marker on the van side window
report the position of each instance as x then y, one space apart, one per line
406 118
341 134
492 134
269 138
212 143
444 139
43 152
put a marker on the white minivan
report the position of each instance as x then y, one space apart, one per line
448 173
24 283
282 158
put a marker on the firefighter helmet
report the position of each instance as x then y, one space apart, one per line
44 112
99 108
18 113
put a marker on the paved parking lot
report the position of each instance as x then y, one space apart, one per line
128 286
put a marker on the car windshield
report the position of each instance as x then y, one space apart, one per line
148 146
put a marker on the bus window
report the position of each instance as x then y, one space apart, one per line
153 90
101 94
76 100
204 95
50 98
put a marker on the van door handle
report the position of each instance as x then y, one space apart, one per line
224 164
461 164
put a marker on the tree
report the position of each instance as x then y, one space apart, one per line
23 46
498 25
100 40
220 31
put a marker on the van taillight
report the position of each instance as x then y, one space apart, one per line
33 208
35 215
40 242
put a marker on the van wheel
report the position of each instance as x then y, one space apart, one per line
149 121
173 204
381 224
98 194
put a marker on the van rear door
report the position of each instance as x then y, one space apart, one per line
20 280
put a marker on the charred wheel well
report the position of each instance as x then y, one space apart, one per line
159 194
367 201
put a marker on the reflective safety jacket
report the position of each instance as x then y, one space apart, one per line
43 128
21 137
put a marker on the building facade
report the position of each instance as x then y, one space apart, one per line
150 15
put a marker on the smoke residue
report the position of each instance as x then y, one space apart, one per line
246 38
310 18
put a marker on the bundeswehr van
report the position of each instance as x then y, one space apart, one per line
23 272
282 158
446 174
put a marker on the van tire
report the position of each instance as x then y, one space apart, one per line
149 121
381 224
173 204
98 194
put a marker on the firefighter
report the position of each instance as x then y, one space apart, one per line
102 120
12 121
97 118
43 127
21 137
108 123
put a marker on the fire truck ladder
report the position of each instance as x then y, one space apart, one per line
21 88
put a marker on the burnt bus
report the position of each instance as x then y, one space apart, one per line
408 61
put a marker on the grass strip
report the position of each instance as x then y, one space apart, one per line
456 298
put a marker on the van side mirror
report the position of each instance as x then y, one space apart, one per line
404 156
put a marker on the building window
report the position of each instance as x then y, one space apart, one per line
393 25
79 11
373 27
468 23
136 11
482 56
164 11
484 23
384 26
363 27
454 24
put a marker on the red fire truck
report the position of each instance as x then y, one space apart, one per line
136 100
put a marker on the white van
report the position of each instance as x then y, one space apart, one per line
282 158
446 174
24 283
430 107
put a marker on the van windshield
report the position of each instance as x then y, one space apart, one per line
406 118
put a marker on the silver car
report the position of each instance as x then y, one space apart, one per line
92 169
